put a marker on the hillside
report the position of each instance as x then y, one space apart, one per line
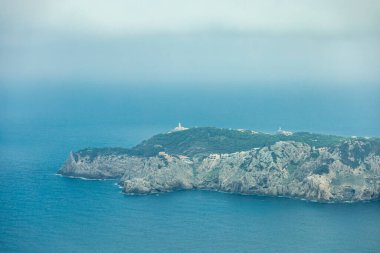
303 165
208 140
202 141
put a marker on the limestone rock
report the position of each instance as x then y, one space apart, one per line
347 172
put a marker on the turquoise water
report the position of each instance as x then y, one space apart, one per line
43 212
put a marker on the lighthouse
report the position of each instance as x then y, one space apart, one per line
179 128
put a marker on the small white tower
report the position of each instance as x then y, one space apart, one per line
179 128
283 132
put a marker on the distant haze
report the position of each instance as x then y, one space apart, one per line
191 42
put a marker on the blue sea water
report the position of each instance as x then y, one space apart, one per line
43 212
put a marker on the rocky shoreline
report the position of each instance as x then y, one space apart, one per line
346 172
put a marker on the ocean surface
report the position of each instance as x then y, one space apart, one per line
43 212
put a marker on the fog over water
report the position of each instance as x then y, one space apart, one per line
199 42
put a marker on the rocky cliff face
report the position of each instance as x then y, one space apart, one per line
346 172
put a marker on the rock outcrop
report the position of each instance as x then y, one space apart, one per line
349 171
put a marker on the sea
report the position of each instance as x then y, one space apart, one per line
41 211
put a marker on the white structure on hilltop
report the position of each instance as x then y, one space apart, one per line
283 132
179 128
214 156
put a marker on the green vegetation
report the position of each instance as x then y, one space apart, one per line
245 164
212 175
352 155
291 168
202 141
314 154
208 140
92 153
323 169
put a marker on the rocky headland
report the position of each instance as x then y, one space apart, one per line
315 167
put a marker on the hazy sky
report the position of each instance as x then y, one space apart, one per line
209 42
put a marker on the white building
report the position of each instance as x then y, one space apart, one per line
214 156
179 128
166 155
283 132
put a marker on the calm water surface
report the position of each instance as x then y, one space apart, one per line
43 212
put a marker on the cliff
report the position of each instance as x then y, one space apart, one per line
314 167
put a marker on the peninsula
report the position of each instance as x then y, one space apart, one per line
323 168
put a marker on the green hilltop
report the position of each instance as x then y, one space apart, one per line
202 141
208 140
